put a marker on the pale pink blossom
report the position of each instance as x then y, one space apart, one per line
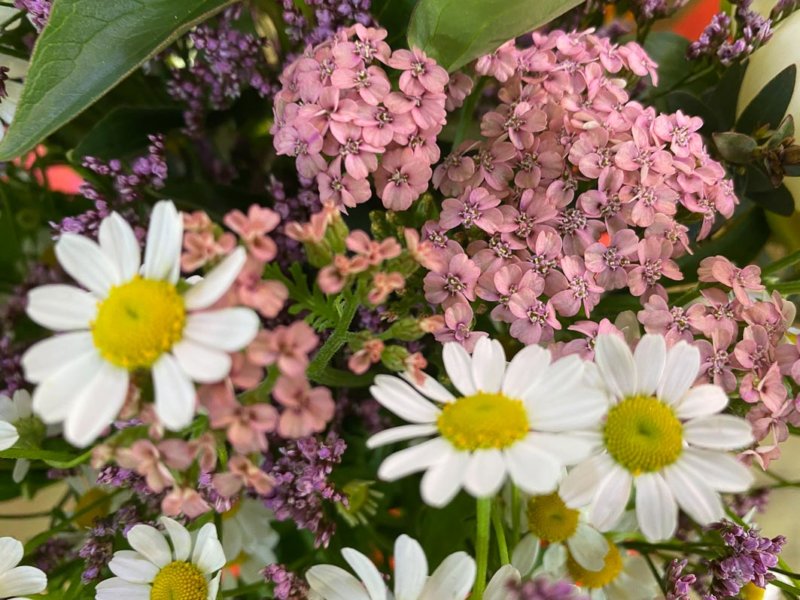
401 179
457 327
741 281
306 410
253 229
144 458
369 354
420 73
383 285
242 473
287 346
186 501
456 282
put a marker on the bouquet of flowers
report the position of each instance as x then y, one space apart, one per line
413 299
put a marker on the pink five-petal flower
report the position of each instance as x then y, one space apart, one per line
144 458
401 179
286 346
242 473
579 290
253 229
420 73
306 410
342 190
741 281
458 327
474 208
455 283
370 353
535 318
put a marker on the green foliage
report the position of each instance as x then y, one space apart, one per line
769 105
669 51
455 32
324 311
87 48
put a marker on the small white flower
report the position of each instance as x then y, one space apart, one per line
662 436
189 570
248 540
12 411
15 580
521 420
130 316
452 580
622 576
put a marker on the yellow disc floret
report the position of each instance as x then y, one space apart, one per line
94 504
138 322
596 579
752 592
550 519
483 421
179 581
643 434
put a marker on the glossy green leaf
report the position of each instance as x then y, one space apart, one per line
778 200
669 51
87 48
735 147
455 32
769 105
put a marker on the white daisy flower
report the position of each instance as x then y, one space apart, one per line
15 412
522 420
189 570
564 532
132 316
624 576
248 540
452 580
15 580
662 436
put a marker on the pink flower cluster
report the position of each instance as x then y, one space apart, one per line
573 190
339 116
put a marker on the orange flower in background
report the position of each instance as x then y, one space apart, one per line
56 178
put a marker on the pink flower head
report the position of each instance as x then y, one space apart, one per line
383 285
359 157
500 64
371 83
423 251
455 283
253 229
144 458
679 131
369 354
672 322
426 110
519 124
768 389
373 252
717 361
342 190
476 207
579 290
401 179
306 410
304 143
246 426
186 500
200 248
654 263
610 263
242 474
286 346
420 73
458 88
741 281
458 327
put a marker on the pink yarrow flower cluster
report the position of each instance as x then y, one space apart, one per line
342 119
572 191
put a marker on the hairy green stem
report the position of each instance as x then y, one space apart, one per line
484 511
500 534
318 366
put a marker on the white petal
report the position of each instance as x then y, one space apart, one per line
208 554
694 496
45 358
11 552
334 583
554 559
683 364
214 285
525 554
8 435
486 473
55 397
97 405
149 542
8 411
410 568
119 243
570 449
132 566
21 468
580 485
61 307
164 240
22 580
718 432
201 363
568 408
498 585
617 367
119 589
610 499
458 364
396 395
227 329
452 580
430 388
588 547
488 365
213 585
656 510
414 459
443 480
399 434
366 571
650 357
23 403
701 401
720 471
174 393
525 370
87 264
532 469
180 536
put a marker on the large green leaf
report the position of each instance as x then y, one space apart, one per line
455 32
769 106
87 48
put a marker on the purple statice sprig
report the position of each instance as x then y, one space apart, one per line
328 17
288 585
725 44
678 584
38 11
543 589
303 489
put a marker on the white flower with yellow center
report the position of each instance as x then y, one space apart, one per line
624 576
15 580
249 541
452 580
564 531
189 570
16 415
131 316
662 436
522 420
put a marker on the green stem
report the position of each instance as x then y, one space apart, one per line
318 366
484 511
791 590
500 534
780 265
654 571
516 500
795 577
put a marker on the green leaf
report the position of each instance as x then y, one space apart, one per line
455 32
769 105
59 460
669 51
123 132
735 147
87 48
393 15
778 200
723 97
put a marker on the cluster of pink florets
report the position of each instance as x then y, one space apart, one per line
340 117
573 190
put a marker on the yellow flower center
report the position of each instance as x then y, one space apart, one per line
643 434
596 579
179 581
550 520
138 322
96 503
483 421
752 592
